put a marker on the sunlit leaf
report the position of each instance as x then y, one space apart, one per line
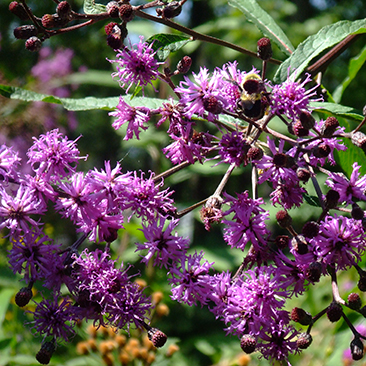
90 7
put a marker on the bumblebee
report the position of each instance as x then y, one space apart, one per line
252 102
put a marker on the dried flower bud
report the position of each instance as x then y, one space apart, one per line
255 153
304 340
18 10
109 28
303 174
329 126
331 199
313 272
184 65
283 218
307 120
310 229
33 44
248 343
301 316
63 10
299 130
300 244
157 337
321 151
359 139
334 312
113 9
23 296
45 353
357 212
357 349
280 160
25 31
171 10
282 241
264 49
126 12
212 105
49 21
354 301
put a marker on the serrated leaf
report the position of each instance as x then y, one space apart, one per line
77 104
337 110
163 44
354 67
90 7
327 37
265 23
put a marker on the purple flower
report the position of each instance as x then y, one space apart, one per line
53 319
135 117
53 155
190 280
136 65
233 148
291 98
247 224
287 195
341 241
118 300
165 246
348 189
9 161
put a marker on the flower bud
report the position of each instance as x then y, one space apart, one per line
359 139
329 127
264 49
307 120
23 296
49 21
357 212
282 241
126 12
321 151
301 316
331 199
299 130
299 244
157 337
45 353
354 301
18 10
356 349
334 312
303 174
184 65
304 340
113 9
255 153
283 219
280 160
25 31
313 272
117 33
362 282
171 10
63 10
248 343
310 229
33 44
212 105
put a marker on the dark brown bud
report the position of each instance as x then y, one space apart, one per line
299 130
264 49
126 12
280 160
33 44
362 311
18 10
248 343
113 9
45 353
334 312
359 139
282 241
255 153
25 31
357 212
357 349
63 10
329 127
283 218
313 272
23 296
184 65
113 235
321 151
171 10
301 316
354 301
331 199
212 105
300 244
310 229
157 337
362 282
307 120
304 340
303 174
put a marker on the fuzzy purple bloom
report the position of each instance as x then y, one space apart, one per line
233 148
9 161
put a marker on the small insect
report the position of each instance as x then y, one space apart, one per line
253 102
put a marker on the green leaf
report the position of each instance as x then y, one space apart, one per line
354 67
264 22
314 45
77 104
93 77
90 7
337 110
5 297
311 200
163 44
